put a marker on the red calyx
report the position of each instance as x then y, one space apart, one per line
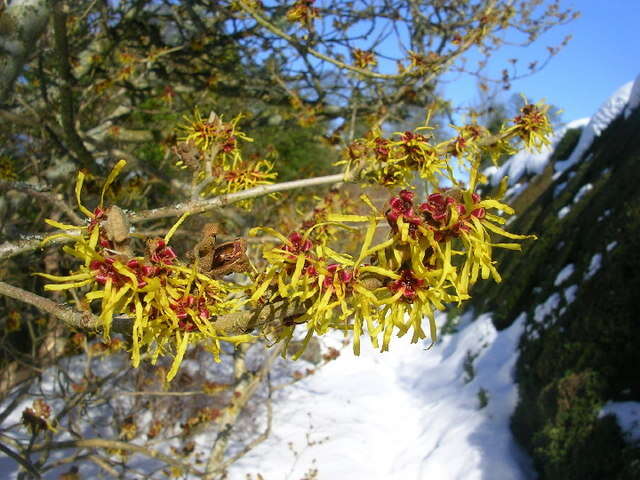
344 276
162 253
402 206
104 270
298 244
408 284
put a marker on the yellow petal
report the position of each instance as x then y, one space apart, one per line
78 189
112 176
175 226
182 348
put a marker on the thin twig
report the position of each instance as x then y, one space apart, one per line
162 394
104 465
40 194
66 314
99 443
21 460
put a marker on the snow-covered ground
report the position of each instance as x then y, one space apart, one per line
412 413
407 414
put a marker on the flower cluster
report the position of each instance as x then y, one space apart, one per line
434 252
393 162
364 58
210 148
532 126
303 12
423 64
390 283
379 160
171 304
36 418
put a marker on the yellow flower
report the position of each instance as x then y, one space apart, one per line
170 304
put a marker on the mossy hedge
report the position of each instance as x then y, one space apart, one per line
586 352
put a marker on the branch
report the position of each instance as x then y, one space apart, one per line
232 323
445 61
260 438
11 249
293 41
66 93
21 24
95 443
200 206
71 317
245 389
47 197
21 460
66 314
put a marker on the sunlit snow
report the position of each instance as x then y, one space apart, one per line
544 310
405 414
565 273
634 98
594 266
598 123
586 188
563 212
570 293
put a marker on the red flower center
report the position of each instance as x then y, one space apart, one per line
408 284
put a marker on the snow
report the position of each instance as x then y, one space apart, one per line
516 189
634 98
522 163
605 214
563 212
557 190
404 414
545 309
594 266
627 415
565 273
586 188
412 413
597 124
570 293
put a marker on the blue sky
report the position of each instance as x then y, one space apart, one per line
603 55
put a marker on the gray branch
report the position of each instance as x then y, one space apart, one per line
21 23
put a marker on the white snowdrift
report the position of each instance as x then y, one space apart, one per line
406 414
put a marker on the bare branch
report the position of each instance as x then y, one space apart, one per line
98 443
21 23
200 206
67 105
44 196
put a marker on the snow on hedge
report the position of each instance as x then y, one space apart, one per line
609 110
627 415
